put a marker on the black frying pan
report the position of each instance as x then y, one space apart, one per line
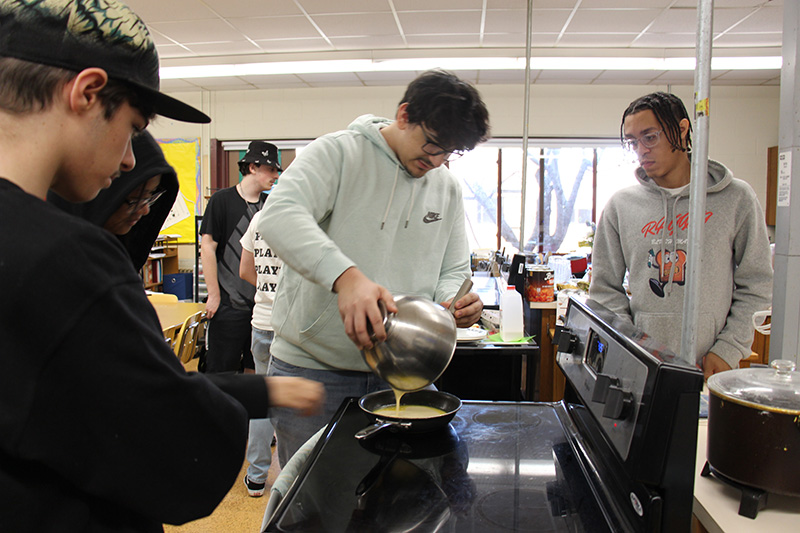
429 398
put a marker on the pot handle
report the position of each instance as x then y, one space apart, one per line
378 426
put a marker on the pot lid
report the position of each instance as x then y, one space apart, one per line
776 388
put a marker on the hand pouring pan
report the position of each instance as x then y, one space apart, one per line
428 398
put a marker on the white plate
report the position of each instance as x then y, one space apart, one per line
470 334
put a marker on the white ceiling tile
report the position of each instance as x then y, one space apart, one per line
176 85
741 75
517 40
747 40
632 81
222 84
627 76
512 21
252 8
676 76
645 4
611 20
314 7
198 31
368 42
274 79
425 5
152 11
665 40
397 78
347 77
682 20
504 76
316 44
336 83
356 24
288 27
229 48
594 40
443 41
451 22
581 76
766 19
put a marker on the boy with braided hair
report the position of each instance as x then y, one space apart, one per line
644 231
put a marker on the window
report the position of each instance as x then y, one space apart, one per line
571 182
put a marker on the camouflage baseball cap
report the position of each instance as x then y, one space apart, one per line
79 34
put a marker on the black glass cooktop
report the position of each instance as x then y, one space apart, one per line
496 467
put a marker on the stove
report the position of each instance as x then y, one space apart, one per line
617 454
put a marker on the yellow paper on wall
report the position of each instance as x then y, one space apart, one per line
184 156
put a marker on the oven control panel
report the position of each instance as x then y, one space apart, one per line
610 380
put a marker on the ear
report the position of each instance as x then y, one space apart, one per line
402 116
684 126
83 89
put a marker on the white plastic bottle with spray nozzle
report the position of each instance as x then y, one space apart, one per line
511 321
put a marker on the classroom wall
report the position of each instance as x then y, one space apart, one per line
743 120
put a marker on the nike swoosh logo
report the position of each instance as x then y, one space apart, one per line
431 217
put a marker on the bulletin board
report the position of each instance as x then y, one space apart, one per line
184 156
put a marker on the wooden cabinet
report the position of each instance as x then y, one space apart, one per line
163 260
772 185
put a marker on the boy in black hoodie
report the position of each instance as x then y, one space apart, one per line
101 429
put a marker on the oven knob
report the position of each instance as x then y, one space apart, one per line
601 386
618 403
566 340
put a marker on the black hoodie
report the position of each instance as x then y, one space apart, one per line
150 162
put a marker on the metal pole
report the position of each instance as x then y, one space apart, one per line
697 188
525 126
785 341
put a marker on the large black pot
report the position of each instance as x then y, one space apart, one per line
754 427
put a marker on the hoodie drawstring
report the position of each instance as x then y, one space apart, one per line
391 199
410 207
663 237
674 242
391 196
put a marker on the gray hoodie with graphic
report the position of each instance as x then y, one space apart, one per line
644 231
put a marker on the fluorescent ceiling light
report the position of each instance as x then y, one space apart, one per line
465 63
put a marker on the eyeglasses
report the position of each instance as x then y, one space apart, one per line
138 203
431 148
648 140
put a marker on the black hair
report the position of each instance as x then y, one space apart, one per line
27 87
244 168
451 108
669 111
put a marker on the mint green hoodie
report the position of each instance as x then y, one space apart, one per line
344 201
644 230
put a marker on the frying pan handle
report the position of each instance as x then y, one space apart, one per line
378 426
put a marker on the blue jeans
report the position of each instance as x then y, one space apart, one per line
291 429
259 454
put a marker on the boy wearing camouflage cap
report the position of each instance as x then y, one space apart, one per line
101 429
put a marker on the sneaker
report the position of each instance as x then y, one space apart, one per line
255 490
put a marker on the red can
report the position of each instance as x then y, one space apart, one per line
539 284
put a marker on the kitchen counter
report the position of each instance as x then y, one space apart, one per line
716 505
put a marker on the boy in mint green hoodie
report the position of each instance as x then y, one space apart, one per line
360 215
644 231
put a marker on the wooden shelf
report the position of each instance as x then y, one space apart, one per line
163 261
